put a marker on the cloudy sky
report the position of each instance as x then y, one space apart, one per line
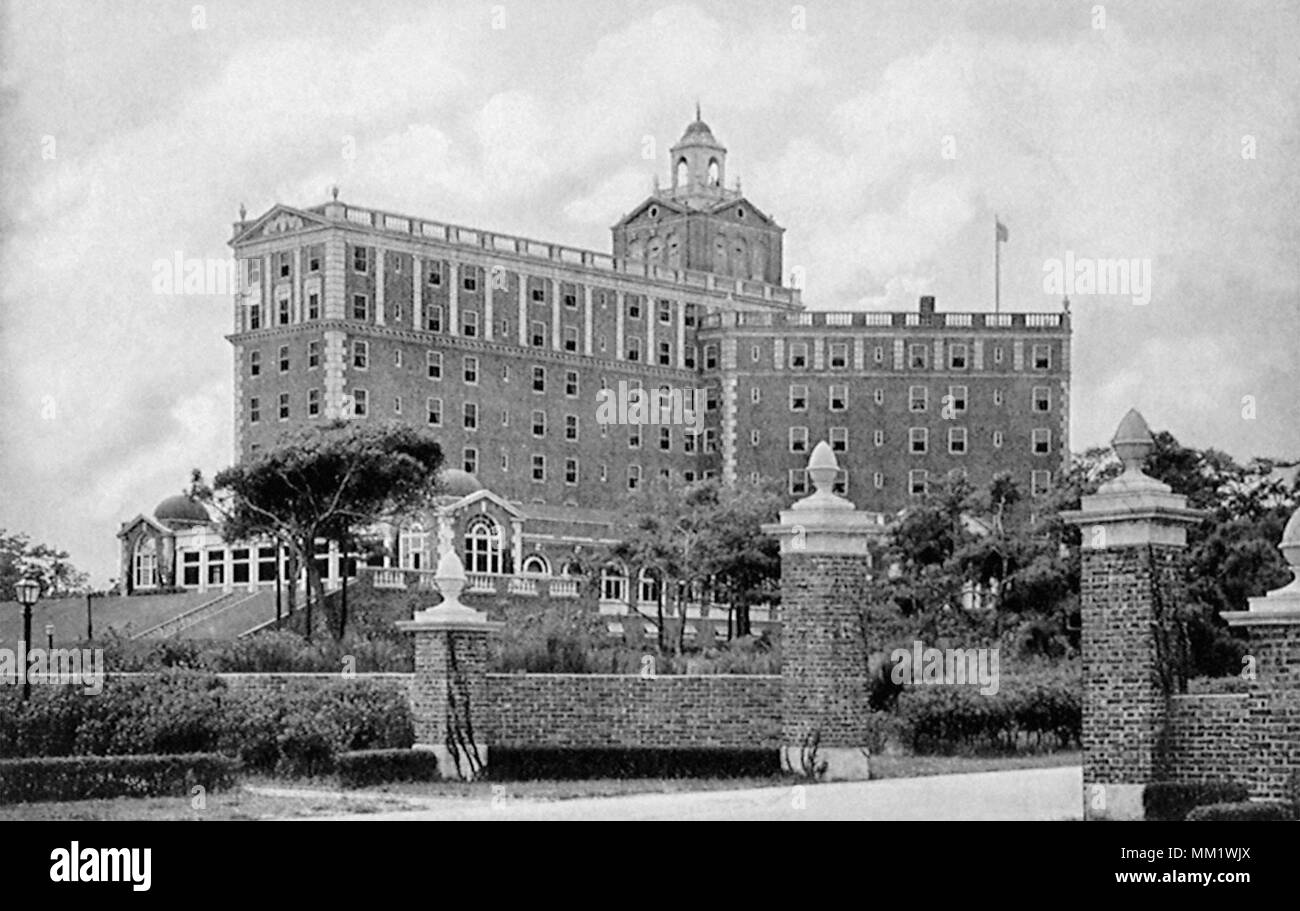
883 136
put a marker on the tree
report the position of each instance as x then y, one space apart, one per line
20 559
325 484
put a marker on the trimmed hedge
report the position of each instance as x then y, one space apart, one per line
362 768
1171 801
94 777
1243 811
517 764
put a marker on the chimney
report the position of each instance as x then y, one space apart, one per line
927 304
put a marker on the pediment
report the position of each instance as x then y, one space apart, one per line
280 220
641 214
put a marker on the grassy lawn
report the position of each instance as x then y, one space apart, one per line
323 798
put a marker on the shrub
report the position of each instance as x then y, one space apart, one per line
1172 800
362 768
93 777
1243 811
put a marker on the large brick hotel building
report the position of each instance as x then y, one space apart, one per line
501 345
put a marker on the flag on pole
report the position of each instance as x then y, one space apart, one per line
1001 230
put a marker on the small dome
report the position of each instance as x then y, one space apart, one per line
181 510
1291 534
456 483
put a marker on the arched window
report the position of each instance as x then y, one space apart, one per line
412 545
654 249
713 172
145 562
570 569
535 565
613 583
648 590
674 252
679 176
483 546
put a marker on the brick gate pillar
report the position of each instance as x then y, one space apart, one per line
1133 538
825 565
449 693
1273 627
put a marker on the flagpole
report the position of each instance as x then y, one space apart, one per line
997 267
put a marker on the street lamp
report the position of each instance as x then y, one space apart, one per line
28 591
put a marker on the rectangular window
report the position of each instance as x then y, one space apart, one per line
360 307
313 403
710 357
841 483
879 396
755 353
433 364
633 436
505 461
284 406
284 311
433 318
571 383
469 460
957 357
1042 357
957 399
665 354
570 338
665 312
1040 482
360 260
313 259
839 398
633 306
470 419
839 439
360 354
539 423
798 355
397 358
539 379
1042 442
711 398
798 398
839 356
754 437
997 354
878 355
666 439
284 358
755 394
957 440
633 348
688 357
997 439
633 477
254 270
505 417
255 363
505 373
254 318
918 356
571 427
710 440
570 297
469 323
1042 398
313 355
537 291
916 480
471 370
254 410
397 404
689 315
798 439
469 281
435 272
878 438
798 481
537 337
433 409
360 403
878 479
918 439
570 471
918 398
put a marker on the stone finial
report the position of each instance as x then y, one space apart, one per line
822 467
334 192
243 212
1287 598
450 614
1133 441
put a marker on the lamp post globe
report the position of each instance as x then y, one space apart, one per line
27 591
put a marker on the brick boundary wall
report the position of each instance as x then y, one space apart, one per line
605 710
1211 737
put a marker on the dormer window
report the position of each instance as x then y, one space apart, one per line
654 211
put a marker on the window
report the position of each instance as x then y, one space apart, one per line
840 485
633 306
839 439
313 355
469 460
433 364
397 404
957 440
537 292
839 398
604 472
539 423
665 309
613 584
505 417
633 477
254 318
918 398
879 396
284 358
633 348
483 546
313 259
711 398
798 398
957 356
665 354
688 442
754 437
1042 357
1042 398
571 471
710 440
798 481
798 439
755 353
1042 440
688 315
634 436
997 354
146 563
433 318
397 307
918 356
284 312
1040 482
879 438
570 338
471 416
360 260
956 403
284 406
254 410
435 272
998 397
916 480
539 379
755 394
539 467
469 323
571 383
666 439
254 271
313 403
918 440
571 427
191 572
397 358
537 338
798 355
469 281
360 307
360 403
878 479
470 371
433 407
505 373
878 355
360 354
505 461
255 363
710 357
997 439
839 356
570 297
